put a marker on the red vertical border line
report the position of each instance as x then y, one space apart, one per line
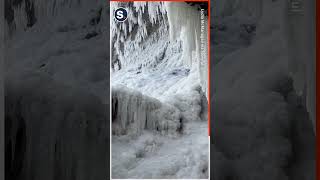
209 92
317 95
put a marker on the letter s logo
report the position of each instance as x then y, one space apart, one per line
121 14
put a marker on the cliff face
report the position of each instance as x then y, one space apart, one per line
51 133
160 110
261 119
133 112
297 26
300 32
181 25
56 93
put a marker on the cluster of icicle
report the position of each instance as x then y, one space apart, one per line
140 16
184 23
298 34
133 112
45 10
246 8
188 24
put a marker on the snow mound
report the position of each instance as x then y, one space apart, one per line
151 156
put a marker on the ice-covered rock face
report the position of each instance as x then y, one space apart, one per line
133 112
52 15
56 91
249 8
257 116
300 31
52 129
70 45
159 124
182 22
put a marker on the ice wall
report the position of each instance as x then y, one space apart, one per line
249 8
190 25
298 30
133 112
263 121
53 131
47 15
142 17
185 23
300 35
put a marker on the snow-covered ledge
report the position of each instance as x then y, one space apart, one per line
133 112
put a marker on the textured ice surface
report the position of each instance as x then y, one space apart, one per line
55 93
160 116
154 156
133 112
53 131
261 129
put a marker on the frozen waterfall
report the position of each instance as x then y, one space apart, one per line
133 112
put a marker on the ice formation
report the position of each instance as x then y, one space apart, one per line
133 112
64 15
298 27
190 25
258 119
52 129
185 23
300 31
249 8
55 91
164 74
135 27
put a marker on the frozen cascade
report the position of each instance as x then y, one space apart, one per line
263 121
301 42
299 31
52 128
137 13
251 8
162 117
133 112
50 14
188 24
301 52
56 104
184 23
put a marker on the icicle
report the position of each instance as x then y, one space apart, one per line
136 17
20 17
190 26
300 31
133 112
